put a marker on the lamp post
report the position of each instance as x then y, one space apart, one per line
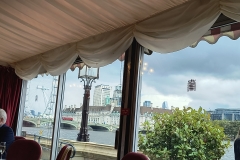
87 75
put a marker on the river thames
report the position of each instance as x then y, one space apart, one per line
107 138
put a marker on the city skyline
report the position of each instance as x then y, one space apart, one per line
101 95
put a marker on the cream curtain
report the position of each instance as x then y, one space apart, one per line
169 31
230 8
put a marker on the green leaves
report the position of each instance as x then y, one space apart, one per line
185 134
230 127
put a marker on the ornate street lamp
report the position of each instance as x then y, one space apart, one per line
87 75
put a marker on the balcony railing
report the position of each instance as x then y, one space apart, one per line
81 150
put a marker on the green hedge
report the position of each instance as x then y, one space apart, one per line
231 128
186 134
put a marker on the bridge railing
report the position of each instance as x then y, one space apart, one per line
61 143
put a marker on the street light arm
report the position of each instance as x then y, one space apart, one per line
87 82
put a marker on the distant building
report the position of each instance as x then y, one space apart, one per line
109 114
146 113
225 114
107 100
147 104
117 96
101 95
33 113
165 105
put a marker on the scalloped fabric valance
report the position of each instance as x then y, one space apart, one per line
47 36
231 31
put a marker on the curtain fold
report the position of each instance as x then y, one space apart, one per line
104 49
178 28
231 9
55 62
165 32
10 92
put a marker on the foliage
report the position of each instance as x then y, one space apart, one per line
231 128
186 134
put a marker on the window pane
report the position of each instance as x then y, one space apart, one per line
215 68
39 111
104 111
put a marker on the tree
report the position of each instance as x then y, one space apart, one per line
231 128
186 134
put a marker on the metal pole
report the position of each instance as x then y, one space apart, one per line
21 108
58 116
83 135
131 92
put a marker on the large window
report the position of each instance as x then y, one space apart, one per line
164 87
215 69
39 111
103 118
104 112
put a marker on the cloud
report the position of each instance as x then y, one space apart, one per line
215 68
211 92
219 60
157 98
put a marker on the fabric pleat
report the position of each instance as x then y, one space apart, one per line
47 36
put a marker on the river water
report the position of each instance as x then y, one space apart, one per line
107 138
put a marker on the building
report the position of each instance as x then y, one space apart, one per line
117 96
146 113
110 115
101 95
147 104
165 105
225 114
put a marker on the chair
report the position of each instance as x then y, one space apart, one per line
18 137
23 149
64 153
135 156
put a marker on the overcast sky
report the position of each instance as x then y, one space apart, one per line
216 69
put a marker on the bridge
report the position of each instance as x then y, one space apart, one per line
65 124
102 127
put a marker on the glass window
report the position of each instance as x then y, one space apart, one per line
216 71
104 106
39 111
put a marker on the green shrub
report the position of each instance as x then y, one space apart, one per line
231 128
186 134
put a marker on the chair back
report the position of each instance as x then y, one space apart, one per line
64 153
135 156
18 137
23 149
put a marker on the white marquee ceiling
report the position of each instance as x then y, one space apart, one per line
40 36
28 28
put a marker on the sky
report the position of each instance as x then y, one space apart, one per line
216 69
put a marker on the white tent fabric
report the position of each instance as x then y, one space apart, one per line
177 25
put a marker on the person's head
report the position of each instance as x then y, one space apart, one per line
3 117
